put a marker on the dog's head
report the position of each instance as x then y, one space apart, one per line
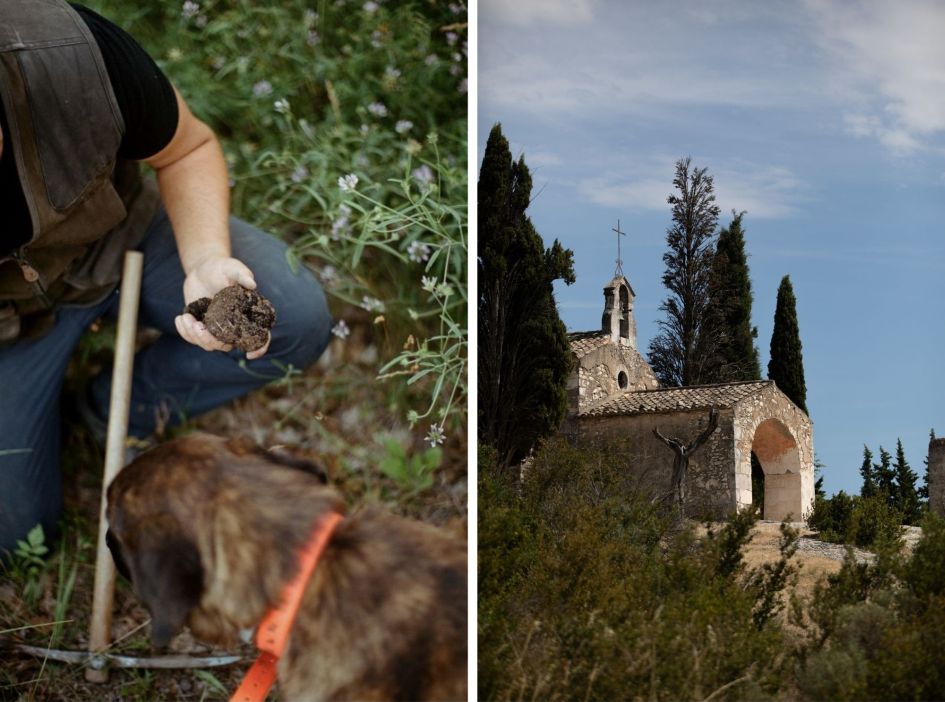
207 530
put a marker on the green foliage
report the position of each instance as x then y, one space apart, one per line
589 591
906 497
868 489
786 366
879 627
524 355
309 96
866 522
414 473
27 563
683 351
885 476
730 300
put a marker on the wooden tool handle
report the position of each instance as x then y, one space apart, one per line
119 404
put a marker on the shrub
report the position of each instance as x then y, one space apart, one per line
589 591
867 522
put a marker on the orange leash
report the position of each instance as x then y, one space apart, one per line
272 634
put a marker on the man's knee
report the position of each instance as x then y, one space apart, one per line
303 321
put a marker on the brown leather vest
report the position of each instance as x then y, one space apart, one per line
65 129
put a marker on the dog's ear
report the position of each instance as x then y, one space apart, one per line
168 578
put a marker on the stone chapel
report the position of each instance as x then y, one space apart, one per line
613 394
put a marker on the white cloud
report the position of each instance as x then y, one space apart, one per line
526 12
888 62
765 192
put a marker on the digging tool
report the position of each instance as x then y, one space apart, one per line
98 658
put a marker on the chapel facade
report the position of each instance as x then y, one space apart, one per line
615 399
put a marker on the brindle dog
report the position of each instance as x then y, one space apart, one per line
208 529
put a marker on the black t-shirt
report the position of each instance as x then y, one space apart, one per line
147 103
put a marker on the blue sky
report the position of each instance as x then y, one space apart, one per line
825 121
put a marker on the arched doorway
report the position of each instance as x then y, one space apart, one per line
780 460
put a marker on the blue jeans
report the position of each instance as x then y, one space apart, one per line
169 375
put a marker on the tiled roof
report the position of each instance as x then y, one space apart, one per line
670 399
582 343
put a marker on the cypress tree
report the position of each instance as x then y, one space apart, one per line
730 301
786 367
524 355
868 489
682 352
907 499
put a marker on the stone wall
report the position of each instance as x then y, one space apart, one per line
937 476
710 483
598 374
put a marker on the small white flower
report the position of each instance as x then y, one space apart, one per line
281 106
455 69
392 73
423 175
365 129
201 21
329 277
311 17
436 435
341 329
299 174
370 6
457 57
313 38
379 109
262 89
348 183
339 227
431 60
372 304
376 37
463 86
218 62
189 9
174 54
418 252
344 210
428 283
443 290
456 8
403 126
451 38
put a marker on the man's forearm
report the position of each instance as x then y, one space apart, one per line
196 194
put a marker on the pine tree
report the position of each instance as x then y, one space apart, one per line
885 476
868 489
786 367
524 355
730 301
682 352
923 492
907 499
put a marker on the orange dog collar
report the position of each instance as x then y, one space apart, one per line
272 634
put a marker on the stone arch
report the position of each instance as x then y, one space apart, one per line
779 454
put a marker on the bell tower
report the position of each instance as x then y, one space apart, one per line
617 319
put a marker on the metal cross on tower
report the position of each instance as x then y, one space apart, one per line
619 270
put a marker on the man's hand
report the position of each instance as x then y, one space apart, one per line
206 279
